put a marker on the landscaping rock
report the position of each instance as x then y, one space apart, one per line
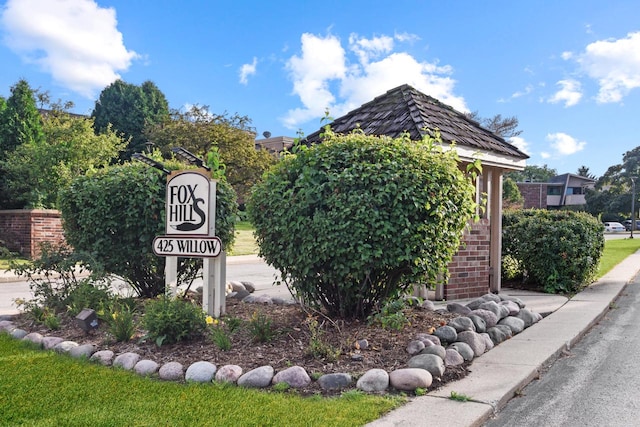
462 323
34 337
489 317
456 307
374 380
409 379
527 316
257 378
428 305
228 373
126 360
515 324
512 306
295 376
473 340
414 347
82 351
336 381
429 362
7 326
146 367
492 297
65 346
453 358
507 330
171 371
493 307
19 333
103 357
479 323
200 372
497 335
428 337
249 286
49 342
438 350
240 294
517 300
446 334
464 349
238 286
487 341
476 303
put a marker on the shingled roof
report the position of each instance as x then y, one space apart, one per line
405 109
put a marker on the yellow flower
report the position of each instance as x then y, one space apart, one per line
209 320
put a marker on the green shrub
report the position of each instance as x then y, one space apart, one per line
260 328
88 294
116 212
169 321
358 219
557 250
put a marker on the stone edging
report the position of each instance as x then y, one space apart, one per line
482 323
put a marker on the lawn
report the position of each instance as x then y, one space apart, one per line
614 252
41 388
245 243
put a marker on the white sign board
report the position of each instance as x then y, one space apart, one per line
188 204
188 247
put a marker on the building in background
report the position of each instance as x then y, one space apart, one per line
560 191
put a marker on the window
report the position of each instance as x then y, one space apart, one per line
574 190
554 191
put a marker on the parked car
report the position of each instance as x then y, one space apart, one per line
610 227
627 224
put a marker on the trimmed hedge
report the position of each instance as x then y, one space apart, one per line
358 219
557 250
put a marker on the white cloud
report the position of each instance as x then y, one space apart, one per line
564 144
570 93
527 90
545 155
248 70
76 41
520 143
615 64
324 78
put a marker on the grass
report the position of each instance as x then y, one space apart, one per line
245 242
4 262
41 388
615 251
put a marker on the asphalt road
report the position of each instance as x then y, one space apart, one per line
596 383
243 268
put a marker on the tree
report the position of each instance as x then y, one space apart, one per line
128 108
36 171
612 195
584 171
504 127
356 220
511 193
199 130
20 123
533 173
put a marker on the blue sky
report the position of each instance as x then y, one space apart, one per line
569 70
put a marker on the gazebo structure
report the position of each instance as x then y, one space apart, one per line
475 269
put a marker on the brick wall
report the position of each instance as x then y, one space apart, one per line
469 270
24 230
534 195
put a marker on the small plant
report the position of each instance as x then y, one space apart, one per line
459 397
88 294
318 348
391 316
420 391
233 323
219 336
169 321
281 387
260 328
52 321
121 324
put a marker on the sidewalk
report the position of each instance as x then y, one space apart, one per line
497 375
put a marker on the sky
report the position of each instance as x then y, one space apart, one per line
568 70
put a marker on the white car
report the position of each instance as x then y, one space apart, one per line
613 227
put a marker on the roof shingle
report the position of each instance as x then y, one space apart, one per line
405 109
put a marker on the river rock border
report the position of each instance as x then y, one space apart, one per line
482 324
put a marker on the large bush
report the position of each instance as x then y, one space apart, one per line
115 214
556 250
358 219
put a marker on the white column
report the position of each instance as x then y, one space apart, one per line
495 224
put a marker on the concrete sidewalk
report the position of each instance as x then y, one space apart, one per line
497 375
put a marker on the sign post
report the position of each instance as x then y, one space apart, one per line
190 233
